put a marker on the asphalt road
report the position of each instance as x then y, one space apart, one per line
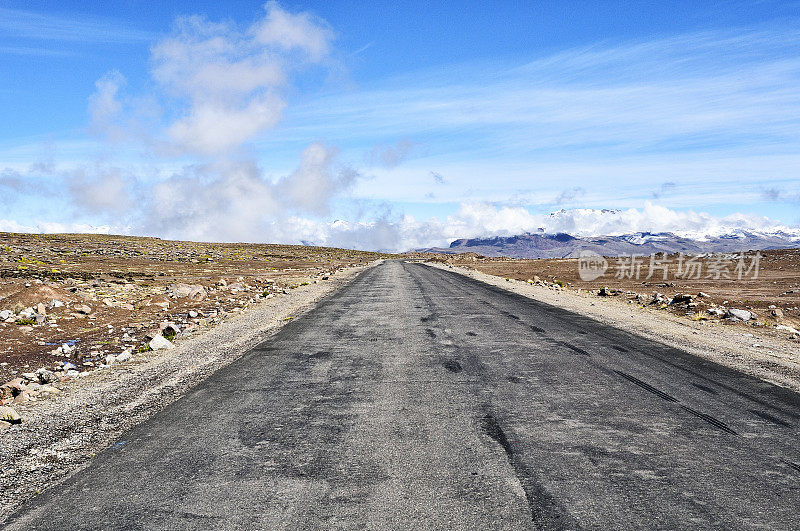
415 398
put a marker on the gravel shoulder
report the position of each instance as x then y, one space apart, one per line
763 353
61 434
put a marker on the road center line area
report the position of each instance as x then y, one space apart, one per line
417 398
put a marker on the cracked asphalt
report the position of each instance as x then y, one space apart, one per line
416 398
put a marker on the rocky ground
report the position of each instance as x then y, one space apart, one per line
769 301
71 305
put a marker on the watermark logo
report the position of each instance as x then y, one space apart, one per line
661 266
591 265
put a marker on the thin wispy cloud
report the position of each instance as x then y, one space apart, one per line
35 51
46 27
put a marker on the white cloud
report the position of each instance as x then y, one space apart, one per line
310 188
233 200
105 108
228 82
294 31
101 189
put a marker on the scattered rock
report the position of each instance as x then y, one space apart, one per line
5 315
44 376
681 298
785 328
193 314
604 292
776 313
703 295
55 304
169 329
740 315
160 343
195 292
124 355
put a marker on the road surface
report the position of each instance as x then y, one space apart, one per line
416 398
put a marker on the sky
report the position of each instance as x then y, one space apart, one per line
398 125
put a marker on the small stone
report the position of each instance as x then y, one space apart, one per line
124 356
83 308
40 309
45 376
55 304
193 314
703 295
5 315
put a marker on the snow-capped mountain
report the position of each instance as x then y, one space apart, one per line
562 245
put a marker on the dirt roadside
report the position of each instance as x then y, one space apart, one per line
60 434
761 352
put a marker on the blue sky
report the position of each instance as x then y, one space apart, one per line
398 124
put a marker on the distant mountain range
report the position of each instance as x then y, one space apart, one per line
562 245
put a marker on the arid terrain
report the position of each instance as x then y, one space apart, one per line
772 298
72 303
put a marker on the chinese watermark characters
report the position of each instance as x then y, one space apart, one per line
663 266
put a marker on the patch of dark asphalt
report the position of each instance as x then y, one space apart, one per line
452 365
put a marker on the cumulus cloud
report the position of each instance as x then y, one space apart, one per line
222 85
233 200
228 81
301 31
310 188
